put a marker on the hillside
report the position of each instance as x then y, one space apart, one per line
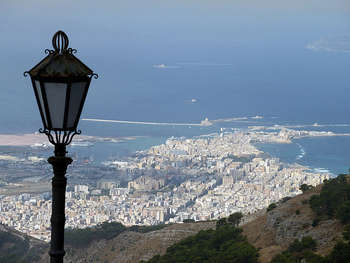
17 247
131 246
271 232
278 228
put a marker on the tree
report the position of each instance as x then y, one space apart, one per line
237 252
311 257
343 213
305 187
235 218
271 207
221 222
329 203
339 254
188 221
346 233
306 243
284 257
223 245
299 251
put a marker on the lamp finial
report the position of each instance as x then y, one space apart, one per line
60 42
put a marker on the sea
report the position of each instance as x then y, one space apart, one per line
182 62
320 154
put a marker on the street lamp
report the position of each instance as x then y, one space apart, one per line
60 82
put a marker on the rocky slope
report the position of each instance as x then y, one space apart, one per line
271 232
131 246
278 228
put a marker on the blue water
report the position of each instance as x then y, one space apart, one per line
239 58
235 58
326 153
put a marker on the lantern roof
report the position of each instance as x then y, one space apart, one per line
60 62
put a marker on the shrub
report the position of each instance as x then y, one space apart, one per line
271 207
305 187
339 254
188 221
306 243
343 212
225 244
221 222
315 222
235 218
334 200
285 199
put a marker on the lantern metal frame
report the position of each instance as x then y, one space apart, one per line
41 74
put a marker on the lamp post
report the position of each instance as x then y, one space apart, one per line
60 82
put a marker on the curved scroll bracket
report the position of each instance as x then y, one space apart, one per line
60 137
94 75
49 51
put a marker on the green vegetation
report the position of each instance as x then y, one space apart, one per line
315 222
299 251
188 221
339 254
346 233
235 218
307 243
343 212
221 222
81 238
333 201
16 249
341 251
271 207
14 246
146 229
305 187
225 244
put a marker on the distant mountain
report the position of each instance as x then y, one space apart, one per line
16 247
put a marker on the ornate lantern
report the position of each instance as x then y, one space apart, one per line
60 82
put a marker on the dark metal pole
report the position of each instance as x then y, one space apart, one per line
59 163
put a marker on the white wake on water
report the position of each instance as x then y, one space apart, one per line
302 152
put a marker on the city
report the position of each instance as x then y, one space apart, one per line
203 178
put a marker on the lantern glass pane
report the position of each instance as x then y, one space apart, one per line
41 101
75 102
56 99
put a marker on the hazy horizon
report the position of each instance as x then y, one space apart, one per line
269 58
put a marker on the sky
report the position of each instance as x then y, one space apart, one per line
235 58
